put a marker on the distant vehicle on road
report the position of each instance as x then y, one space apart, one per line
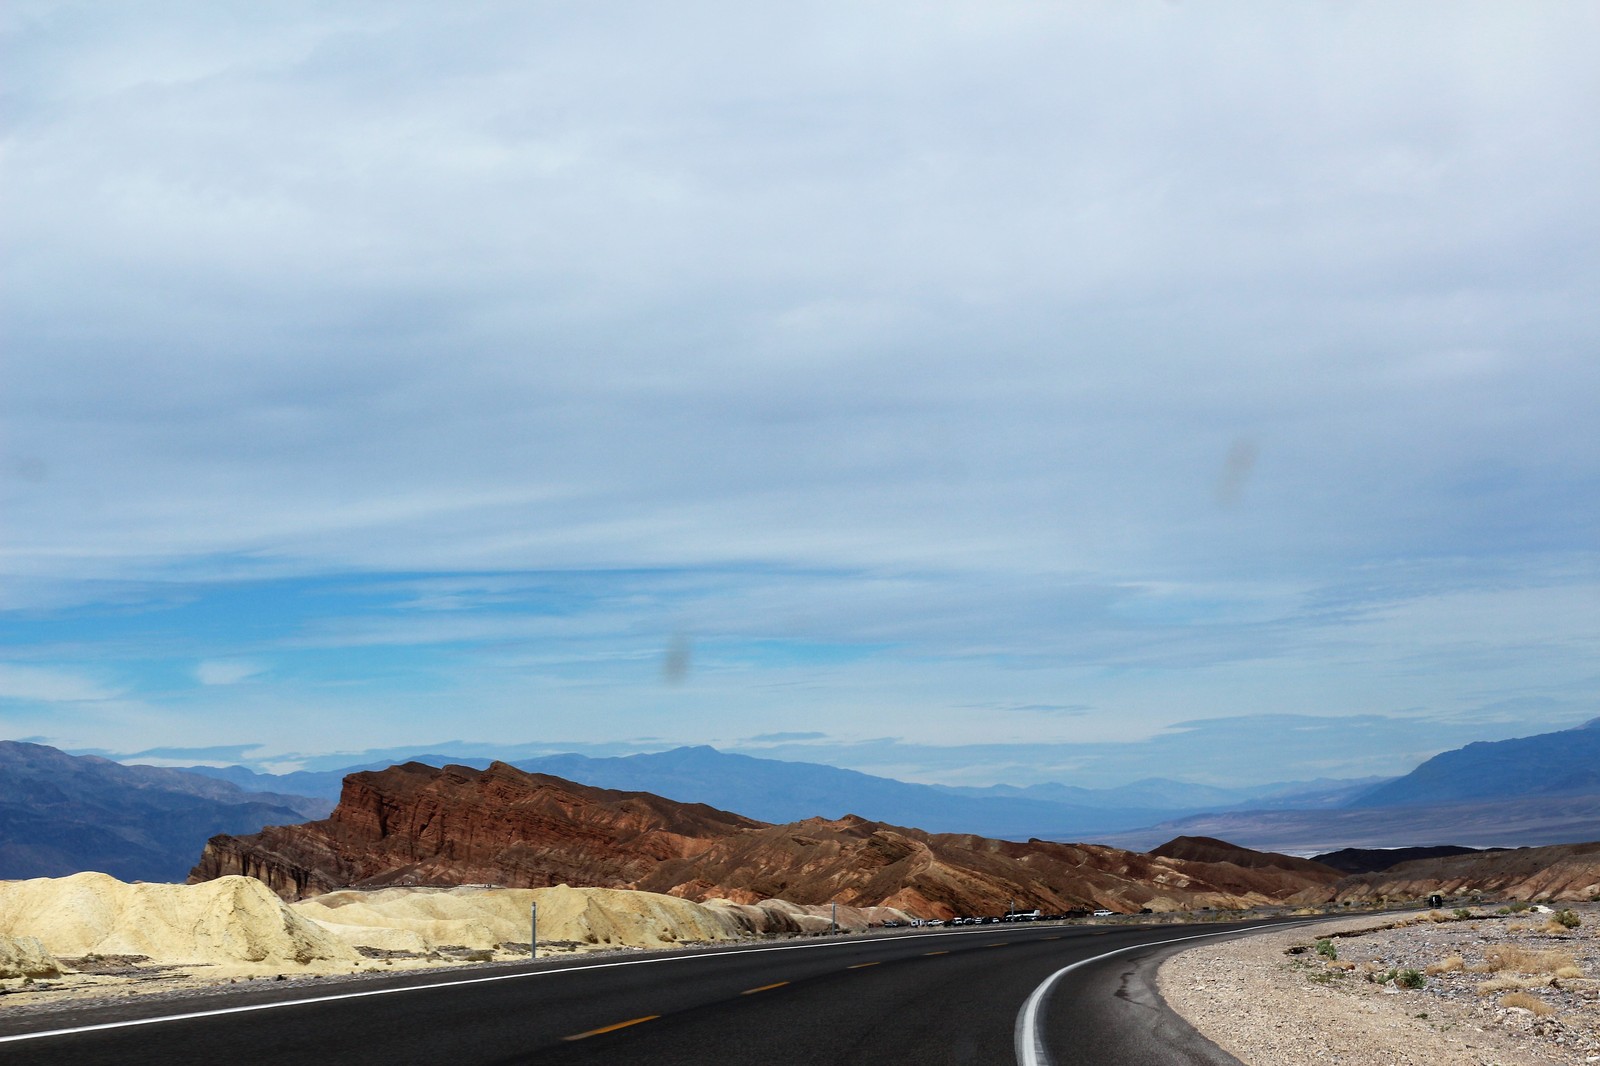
1104 913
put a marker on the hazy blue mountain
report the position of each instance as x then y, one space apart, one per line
1156 792
1564 763
323 785
769 789
62 814
1505 822
781 791
1160 792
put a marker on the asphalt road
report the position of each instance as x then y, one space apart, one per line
968 996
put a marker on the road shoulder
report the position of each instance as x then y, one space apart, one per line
1272 999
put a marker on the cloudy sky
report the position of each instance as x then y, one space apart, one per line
962 392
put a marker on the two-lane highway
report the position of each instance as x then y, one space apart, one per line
995 994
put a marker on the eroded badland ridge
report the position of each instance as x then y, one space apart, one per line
415 824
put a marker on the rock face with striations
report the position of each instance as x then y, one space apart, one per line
943 874
414 824
1560 871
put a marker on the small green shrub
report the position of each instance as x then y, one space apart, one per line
1566 919
1410 979
1517 907
1462 912
1326 949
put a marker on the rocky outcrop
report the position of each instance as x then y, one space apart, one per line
230 921
415 825
25 956
1371 860
1561 871
419 825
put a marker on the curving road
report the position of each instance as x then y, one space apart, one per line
1035 995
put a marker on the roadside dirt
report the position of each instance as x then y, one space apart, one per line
1504 990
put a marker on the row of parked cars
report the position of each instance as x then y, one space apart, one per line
1026 916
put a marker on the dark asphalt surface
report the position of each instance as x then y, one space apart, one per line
929 998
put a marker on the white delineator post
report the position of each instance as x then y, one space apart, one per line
533 931
833 922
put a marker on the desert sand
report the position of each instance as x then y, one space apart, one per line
92 934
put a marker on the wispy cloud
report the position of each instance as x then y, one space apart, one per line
1027 370
226 671
46 685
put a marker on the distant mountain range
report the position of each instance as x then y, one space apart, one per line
61 814
1526 792
1566 763
782 791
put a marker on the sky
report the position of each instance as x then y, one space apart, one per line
966 393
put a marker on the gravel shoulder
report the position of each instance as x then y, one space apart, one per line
1497 990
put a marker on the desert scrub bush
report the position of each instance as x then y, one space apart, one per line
1462 914
1528 960
1516 907
1566 919
1400 978
1454 964
1527 1002
1326 949
1501 984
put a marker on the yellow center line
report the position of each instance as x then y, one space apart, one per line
936 953
1001 944
763 988
1052 938
861 966
613 1028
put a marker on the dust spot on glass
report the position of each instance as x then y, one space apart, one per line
675 663
1236 469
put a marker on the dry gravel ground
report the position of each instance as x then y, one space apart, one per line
1506 990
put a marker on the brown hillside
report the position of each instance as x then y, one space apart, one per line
414 824
1560 871
1210 849
939 875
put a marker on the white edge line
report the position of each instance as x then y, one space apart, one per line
1029 1041
333 997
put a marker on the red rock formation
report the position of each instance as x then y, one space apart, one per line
414 824
939 875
